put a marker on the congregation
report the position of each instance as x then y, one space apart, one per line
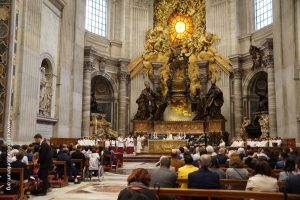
264 169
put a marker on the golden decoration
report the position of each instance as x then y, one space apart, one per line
190 38
181 27
165 146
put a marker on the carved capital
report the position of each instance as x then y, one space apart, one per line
123 75
237 73
88 66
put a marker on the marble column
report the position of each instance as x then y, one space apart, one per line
156 74
238 106
123 97
203 75
86 100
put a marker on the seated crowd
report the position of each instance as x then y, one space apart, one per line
38 161
205 168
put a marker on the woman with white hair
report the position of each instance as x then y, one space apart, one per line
210 150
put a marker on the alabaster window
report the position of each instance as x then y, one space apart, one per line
96 16
263 13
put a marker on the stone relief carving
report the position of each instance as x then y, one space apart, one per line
45 92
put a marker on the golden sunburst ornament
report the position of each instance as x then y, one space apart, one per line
181 27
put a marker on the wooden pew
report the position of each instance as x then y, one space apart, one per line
275 172
65 175
220 194
234 182
21 183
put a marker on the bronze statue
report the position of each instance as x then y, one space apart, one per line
214 102
198 106
145 103
160 105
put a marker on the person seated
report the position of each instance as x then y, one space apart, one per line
292 183
163 177
215 167
138 186
175 162
236 170
188 168
3 164
204 178
70 167
94 160
24 159
29 153
262 181
210 150
222 144
221 156
281 158
288 170
77 154
196 156
19 164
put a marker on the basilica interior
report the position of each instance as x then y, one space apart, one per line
158 74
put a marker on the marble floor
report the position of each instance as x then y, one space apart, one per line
108 189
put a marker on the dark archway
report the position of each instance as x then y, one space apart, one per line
258 93
102 97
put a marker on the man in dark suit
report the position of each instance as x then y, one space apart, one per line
45 162
77 154
19 164
292 183
64 156
164 177
203 178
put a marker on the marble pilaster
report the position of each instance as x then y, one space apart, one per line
269 61
86 100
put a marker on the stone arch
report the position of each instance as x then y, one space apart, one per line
249 77
109 79
256 85
103 95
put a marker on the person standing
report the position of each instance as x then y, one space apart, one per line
139 146
120 148
45 162
130 145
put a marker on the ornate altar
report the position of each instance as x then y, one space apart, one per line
179 41
165 146
142 126
192 127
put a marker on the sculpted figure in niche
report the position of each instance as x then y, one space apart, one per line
45 94
214 102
